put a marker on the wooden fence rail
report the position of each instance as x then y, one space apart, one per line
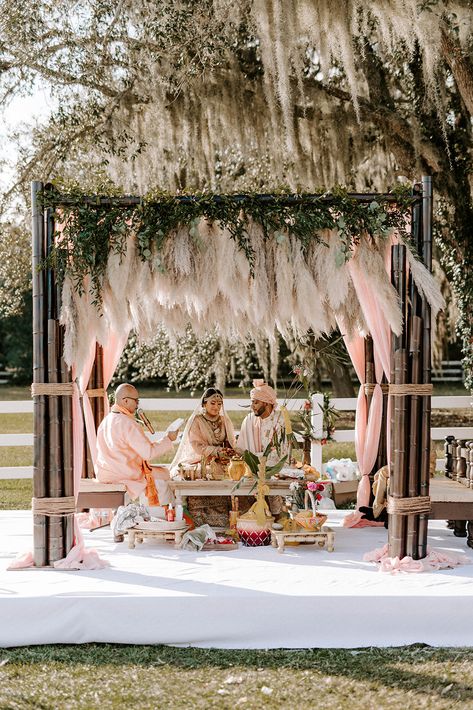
172 405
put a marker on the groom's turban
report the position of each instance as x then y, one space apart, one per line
263 392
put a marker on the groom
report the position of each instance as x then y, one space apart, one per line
265 424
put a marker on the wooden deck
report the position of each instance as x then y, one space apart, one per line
451 500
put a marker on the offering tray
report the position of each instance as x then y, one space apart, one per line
292 472
210 546
161 525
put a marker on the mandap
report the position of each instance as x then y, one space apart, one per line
246 264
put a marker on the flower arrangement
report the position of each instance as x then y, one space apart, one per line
303 424
316 488
298 489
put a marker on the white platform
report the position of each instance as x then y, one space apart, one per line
248 598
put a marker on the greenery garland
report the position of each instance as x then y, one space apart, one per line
92 231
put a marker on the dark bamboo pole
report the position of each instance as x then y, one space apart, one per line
40 525
427 212
414 434
100 406
415 335
55 487
382 457
67 448
66 431
399 422
89 462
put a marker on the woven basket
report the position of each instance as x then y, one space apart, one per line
310 519
252 525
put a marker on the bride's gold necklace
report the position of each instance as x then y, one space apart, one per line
214 423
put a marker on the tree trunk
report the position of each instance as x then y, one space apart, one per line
342 385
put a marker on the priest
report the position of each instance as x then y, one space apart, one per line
123 451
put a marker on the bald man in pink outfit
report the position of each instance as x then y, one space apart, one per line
123 449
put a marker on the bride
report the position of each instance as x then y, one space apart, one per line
208 435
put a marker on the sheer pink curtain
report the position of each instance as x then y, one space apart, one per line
79 556
111 355
368 426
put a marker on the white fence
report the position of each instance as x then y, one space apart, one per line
236 405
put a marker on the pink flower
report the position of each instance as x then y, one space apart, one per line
312 486
297 371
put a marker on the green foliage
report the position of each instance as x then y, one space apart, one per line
252 462
187 362
273 470
16 342
15 268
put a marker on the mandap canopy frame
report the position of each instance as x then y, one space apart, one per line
406 434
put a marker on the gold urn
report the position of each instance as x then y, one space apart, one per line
237 468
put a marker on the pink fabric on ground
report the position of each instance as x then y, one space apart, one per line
22 561
88 521
81 557
435 560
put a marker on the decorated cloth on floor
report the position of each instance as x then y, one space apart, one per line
196 539
127 516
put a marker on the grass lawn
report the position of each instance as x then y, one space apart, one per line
158 677
16 494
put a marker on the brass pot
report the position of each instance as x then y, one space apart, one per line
236 469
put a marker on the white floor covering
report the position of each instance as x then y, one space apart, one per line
247 598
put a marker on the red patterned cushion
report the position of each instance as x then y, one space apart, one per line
253 538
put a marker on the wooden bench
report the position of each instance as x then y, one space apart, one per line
93 494
450 499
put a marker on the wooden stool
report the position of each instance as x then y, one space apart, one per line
136 535
323 537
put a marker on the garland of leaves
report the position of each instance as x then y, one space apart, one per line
330 416
95 228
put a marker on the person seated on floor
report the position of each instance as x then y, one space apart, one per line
208 439
123 451
208 435
378 511
263 426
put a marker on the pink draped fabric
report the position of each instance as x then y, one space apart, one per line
368 425
111 355
79 557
